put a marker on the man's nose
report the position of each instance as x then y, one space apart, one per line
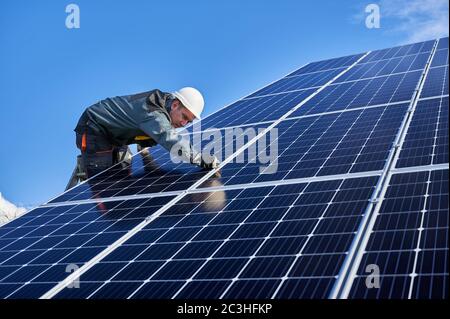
183 122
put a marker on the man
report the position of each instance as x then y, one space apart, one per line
146 119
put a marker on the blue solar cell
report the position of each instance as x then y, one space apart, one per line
305 288
268 267
443 43
240 247
440 58
252 289
114 290
135 270
158 290
222 269
431 287
281 245
318 266
202 289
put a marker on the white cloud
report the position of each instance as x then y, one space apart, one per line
413 20
9 211
418 20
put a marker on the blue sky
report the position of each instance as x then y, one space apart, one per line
227 49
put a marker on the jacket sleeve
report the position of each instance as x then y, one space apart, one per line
158 127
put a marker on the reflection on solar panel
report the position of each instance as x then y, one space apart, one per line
357 208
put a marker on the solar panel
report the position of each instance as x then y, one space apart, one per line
409 240
361 180
426 142
301 231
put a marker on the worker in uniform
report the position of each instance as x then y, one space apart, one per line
146 119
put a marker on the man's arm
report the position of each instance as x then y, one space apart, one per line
158 127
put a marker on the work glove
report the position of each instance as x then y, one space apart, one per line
210 162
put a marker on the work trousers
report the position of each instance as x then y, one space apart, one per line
97 151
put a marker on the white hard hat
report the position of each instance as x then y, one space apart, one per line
192 99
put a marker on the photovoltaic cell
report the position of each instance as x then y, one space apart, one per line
443 43
409 242
440 58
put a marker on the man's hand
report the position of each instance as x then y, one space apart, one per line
209 162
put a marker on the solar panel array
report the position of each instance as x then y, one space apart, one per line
361 181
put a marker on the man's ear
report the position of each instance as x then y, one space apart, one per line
175 104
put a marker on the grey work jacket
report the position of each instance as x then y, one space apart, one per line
121 119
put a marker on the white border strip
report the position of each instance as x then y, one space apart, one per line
312 179
111 199
433 97
302 180
422 168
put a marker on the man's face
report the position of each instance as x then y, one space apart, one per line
180 115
